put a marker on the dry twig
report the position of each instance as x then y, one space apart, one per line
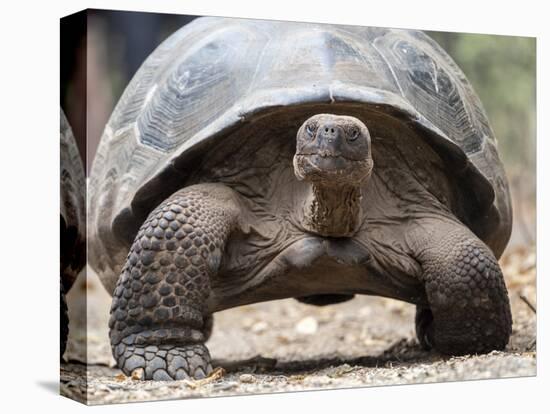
524 299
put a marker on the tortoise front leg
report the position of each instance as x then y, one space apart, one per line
469 310
159 318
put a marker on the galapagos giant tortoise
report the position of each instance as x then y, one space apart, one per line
72 219
250 160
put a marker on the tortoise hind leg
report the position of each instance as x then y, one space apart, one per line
424 326
159 318
469 310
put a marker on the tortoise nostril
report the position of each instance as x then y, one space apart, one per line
326 129
332 130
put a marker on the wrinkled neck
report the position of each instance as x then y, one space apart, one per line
333 211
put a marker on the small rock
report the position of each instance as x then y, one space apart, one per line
225 387
395 306
247 378
259 327
339 371
307 326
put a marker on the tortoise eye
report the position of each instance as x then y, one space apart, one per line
353 134
310 130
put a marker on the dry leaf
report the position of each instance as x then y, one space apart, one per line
120 377
214 376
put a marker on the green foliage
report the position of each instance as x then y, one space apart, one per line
502 71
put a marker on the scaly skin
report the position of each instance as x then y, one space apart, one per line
159 320
469 310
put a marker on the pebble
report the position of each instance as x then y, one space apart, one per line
247 378
307 326
224 387
339 371
259 327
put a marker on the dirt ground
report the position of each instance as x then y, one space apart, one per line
286 346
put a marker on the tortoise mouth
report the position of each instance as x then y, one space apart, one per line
328 162
331 168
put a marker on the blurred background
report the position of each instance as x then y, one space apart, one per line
501 69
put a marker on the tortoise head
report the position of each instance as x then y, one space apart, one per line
333 150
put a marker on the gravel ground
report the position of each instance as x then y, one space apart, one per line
286 346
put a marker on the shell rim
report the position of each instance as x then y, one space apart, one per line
269 101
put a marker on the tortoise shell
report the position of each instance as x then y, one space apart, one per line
72 206
217 76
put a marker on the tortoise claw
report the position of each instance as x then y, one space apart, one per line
165 362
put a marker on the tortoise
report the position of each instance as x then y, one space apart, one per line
250 161
72 220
